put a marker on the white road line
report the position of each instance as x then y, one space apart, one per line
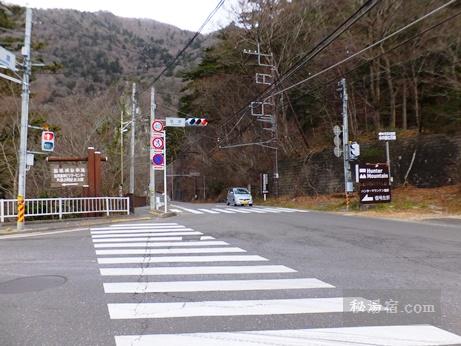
281 210
224 211
177 229
239 211
181 259
176 210
411 335
38 234
226 308
168 251
153 235
163 244
205 270
193 211
213 286
137 239
209 211
293 210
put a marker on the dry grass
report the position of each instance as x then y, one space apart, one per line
407 202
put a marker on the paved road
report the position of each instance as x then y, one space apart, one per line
214 275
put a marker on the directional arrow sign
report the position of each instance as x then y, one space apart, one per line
367 198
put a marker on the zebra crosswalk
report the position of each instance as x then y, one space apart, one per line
137 261
234 210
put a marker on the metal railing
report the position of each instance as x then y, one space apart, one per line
42 207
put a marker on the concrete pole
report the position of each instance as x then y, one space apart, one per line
388 161
133 129
152 193
121 151
347 169
24 122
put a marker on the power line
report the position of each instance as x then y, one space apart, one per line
319 47
181 52
366 48
212 150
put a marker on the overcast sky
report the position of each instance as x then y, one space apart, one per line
185 14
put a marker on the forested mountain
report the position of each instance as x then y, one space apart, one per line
409 82
91 60
408 79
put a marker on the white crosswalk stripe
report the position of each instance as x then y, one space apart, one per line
202 270
225 211
237 210
217 285
226 308
168 251
209 211
181 259
136 239
411 335
147 234
134 252
161 244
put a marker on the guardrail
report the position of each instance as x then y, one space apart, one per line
37 207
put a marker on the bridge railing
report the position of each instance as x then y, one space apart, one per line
43 207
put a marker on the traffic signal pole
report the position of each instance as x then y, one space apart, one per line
24 122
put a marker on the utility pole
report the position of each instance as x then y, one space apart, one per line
133 129
348 185
24 121
267 60
153 195
121 150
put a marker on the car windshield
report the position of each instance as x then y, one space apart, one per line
241 192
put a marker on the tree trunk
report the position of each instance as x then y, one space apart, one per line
404 106
390 85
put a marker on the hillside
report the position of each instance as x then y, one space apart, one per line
91 60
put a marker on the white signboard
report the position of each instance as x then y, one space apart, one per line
7 59
387 136
175 122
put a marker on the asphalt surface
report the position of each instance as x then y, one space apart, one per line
52 291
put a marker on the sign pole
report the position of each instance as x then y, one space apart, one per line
164 172
388 161
153 197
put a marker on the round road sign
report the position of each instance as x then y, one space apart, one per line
336 130
157 143
157 159
157 126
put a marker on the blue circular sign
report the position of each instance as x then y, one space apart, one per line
157 159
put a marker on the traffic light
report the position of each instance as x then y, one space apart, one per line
354 151
196 122
47 141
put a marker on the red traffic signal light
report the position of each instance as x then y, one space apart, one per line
47 141
196 122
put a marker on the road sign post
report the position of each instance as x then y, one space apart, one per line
388 136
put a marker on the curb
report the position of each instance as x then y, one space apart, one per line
63 225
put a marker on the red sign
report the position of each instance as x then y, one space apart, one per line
157 126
